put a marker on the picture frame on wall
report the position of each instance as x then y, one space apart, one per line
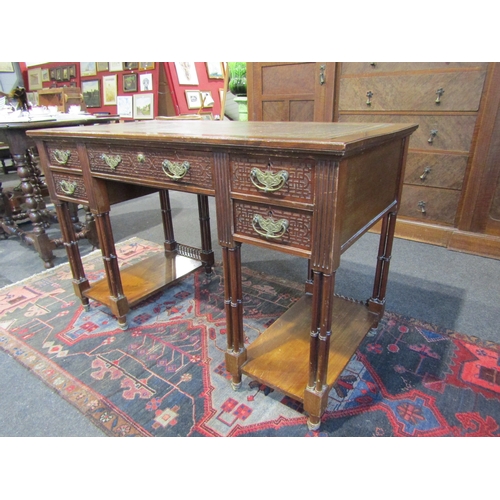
206 99
130 65
45 75
146 82
130 82
72 70
35 79
91 91
124 106
53 75
59 74
215 70
65 73
6 67
102 66
88 69
193 99
146 65
115 66
143 106
110 90
186 73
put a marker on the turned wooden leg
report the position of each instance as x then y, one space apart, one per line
80 281
376 303
119 304
316 393
236 353
170 245
207 254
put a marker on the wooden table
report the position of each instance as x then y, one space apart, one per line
307 189
25 159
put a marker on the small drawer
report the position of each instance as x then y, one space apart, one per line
63 155
429 204
289 228
274 177
436 170
160 166
70 187
353 68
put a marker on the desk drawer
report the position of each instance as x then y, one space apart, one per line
352 68
273 177
63 155
289 228
70 187
160 166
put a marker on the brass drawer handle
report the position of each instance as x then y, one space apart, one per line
68 187
111 161
269 228
62 157
430 140
427 171
141 158
175 170
322 69
439 93
421 205
268 181
369 94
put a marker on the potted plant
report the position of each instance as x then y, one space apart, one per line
238 87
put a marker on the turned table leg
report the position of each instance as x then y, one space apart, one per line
207 254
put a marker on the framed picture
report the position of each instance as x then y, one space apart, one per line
91 90
130 82
115 66
102 66
124 106
110 90
193 99
45 75
146 82
59 74
72 71
146 65
53 74
65 73
131 65
35 79
88 69
214 70
144 106
6 67
186 73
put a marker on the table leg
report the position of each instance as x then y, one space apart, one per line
119 305
376 303
80 281
170 245
316 393
207 254
236 353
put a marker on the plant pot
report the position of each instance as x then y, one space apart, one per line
242 102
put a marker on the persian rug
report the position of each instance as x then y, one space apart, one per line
165 375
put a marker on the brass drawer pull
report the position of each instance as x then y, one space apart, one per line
68 187
269 228
369 94
421 205
62 157
175 170
268 181
112 161
439 93
430 140
427 171
322 74
141 158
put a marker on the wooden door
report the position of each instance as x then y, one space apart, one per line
292 91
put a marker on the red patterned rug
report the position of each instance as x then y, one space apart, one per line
165 375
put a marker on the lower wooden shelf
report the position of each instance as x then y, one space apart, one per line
279 357
145 278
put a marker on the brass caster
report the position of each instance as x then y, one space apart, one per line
235 386
313 426
86 307
123 326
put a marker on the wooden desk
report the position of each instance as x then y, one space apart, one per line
25 159
310 190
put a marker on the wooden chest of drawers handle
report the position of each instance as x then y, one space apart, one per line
430 140
268 181
268 227
439 93
112 161
61 156
421 205
175 170
68 187
369 94
427 171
